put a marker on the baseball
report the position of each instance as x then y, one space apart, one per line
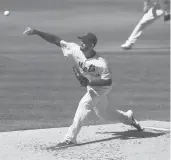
6 13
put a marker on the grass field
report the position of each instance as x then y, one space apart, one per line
37 87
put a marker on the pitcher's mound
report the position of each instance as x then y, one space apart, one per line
100 142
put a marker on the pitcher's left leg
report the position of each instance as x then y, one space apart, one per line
85 106
83 110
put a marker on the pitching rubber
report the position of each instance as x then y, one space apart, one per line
157 129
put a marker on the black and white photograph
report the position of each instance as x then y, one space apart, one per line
85 80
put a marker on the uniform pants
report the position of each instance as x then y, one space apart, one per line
151 16
91 100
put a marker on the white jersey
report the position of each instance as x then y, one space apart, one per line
90 68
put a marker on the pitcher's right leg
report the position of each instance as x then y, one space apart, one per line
105 113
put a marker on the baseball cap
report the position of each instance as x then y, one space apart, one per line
89 38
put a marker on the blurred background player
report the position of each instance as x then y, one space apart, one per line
98 82
152 12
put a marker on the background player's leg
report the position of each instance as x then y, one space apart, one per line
148 18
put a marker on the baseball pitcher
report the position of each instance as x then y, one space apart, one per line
92 71
153 10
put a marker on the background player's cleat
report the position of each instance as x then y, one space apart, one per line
166 17
133 122
127 46
66 143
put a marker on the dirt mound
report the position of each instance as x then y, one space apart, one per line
112 141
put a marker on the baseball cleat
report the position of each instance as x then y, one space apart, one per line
133 121
136 125
66 143
127 46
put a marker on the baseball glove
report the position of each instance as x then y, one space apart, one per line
83 80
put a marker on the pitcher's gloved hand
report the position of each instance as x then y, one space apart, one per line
83 80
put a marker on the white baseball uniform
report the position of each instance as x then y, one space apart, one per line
96 97
153 14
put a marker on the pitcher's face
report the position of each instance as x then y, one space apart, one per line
86 46
87 49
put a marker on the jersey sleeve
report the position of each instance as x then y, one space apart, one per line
105 72
66 47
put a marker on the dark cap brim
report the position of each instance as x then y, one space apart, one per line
80 37
88 38
83 39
